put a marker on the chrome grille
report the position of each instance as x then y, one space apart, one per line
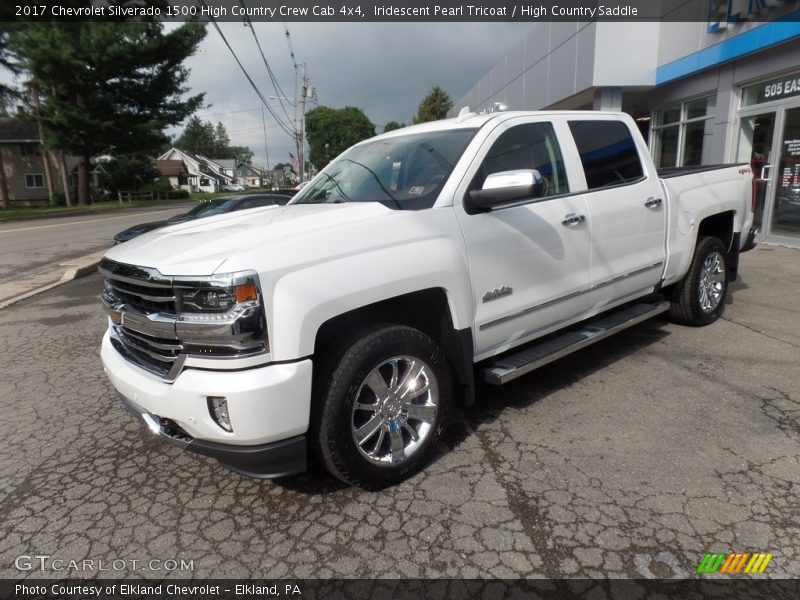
141 303
144 298
151 328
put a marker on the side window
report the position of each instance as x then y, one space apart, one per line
529 146
608 152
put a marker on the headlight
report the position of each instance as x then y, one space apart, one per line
221 315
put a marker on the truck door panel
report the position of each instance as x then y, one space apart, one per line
528 269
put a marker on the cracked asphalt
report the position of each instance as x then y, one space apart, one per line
629 459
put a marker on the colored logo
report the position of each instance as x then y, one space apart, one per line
734 562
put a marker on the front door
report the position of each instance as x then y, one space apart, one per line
755 146
786 206
529 264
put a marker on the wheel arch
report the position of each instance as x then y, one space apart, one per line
428 310
721 225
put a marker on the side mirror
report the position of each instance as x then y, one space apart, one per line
506 187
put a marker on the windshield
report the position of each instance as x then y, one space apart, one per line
214 207
405 172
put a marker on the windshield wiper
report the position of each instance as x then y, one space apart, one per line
371 172
439 157
338 187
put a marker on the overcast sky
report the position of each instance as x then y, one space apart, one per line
383 68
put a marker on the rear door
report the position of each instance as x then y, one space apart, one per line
626 209
529 263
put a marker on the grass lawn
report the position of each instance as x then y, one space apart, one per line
12 214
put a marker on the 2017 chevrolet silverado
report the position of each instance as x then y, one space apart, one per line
348 322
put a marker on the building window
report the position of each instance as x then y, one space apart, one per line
29 149
34 180
680 133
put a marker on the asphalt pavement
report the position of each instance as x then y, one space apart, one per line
32 245
632 458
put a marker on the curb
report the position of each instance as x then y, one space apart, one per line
98 211
66 271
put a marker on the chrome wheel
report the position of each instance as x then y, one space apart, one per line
395 410
712 282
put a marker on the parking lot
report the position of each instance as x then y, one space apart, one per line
632 458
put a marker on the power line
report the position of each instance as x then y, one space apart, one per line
291 56
283 126
273 79
228 112
289 44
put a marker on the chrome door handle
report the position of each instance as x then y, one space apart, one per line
653 202
572 219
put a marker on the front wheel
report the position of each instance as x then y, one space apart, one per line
699 298
382 407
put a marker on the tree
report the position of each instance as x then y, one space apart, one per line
392 125
6 93
107 87
331 131
130 172
434 106
221 141
241 154
198 137
201 137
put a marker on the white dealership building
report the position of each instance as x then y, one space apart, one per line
702 92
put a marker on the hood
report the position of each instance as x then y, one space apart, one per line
200 247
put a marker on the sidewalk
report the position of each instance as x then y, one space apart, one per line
26 287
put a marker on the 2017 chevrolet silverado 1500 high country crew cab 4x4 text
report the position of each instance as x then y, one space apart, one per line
345 324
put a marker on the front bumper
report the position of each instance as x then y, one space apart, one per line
269 410
750 240
264 461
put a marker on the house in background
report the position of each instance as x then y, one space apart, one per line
227 166
198 173
249 175
23 164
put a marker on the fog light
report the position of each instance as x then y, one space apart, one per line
218 409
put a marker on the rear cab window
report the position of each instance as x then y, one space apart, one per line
608 153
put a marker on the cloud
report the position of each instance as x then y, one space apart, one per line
383 68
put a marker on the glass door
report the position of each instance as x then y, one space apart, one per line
755 146
786 211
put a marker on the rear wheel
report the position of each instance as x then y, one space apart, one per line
382 407
699 298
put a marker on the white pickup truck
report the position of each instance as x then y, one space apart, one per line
345 324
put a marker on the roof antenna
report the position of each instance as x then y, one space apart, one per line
464 114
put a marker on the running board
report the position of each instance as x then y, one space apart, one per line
511 366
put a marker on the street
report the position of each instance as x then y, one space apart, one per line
29 245
632 458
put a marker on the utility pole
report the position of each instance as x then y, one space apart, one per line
302 141
266 148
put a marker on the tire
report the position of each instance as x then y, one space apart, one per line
699 298
366 422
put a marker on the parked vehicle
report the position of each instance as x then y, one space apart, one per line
347 323
206 209
233 187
